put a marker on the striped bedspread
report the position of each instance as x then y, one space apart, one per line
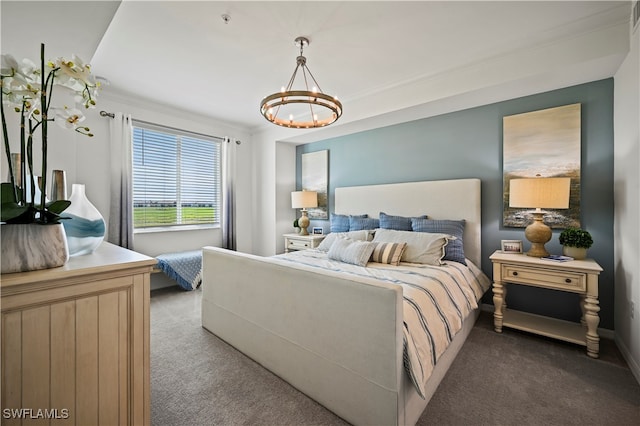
437 299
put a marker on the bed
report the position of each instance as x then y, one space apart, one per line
338 334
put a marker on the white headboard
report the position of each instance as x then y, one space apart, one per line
441 199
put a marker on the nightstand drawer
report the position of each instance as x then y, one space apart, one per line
298 244
559 280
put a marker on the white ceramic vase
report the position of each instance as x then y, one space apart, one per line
85 226
32 246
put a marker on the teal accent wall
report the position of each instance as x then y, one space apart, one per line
468 144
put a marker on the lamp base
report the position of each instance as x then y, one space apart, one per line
303 223
538 234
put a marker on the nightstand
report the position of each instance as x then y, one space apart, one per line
576 276
301 242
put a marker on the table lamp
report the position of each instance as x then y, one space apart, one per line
539 193
303 200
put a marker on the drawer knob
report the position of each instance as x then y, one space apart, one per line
306 244
568 280
515 273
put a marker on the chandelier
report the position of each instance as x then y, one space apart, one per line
283 107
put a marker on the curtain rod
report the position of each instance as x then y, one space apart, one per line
112 115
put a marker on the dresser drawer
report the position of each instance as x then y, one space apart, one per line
548 278
298 244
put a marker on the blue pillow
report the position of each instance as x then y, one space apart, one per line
454 251
339 222
399 223
360 223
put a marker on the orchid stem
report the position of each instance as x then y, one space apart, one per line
7 147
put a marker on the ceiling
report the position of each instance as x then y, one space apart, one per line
376 56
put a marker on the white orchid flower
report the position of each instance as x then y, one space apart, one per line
74 73
15 94
30 71
68 118
24 74
8 66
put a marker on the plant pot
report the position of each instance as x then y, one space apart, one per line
577 253
32 246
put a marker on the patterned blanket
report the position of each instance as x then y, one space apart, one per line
437 300
184 267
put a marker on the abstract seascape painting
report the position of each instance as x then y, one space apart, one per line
544 143
315 178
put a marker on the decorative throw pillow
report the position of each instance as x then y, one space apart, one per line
399 223
351 251
340 222
390 253
359 223
454 251
422 247
328 241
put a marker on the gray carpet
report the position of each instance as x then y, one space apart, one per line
508 379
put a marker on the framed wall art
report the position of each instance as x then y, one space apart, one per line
315 177
511 246
544 143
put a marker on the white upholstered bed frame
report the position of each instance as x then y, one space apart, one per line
337 340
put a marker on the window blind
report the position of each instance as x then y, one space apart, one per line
176 178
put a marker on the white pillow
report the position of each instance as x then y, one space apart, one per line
422 247
364 235
356 252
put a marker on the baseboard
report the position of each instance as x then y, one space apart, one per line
634 366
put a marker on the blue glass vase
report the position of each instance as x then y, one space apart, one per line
85 226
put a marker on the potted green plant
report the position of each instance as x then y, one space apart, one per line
575 242
32 236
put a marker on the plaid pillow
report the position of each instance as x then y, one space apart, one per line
399 223
357 223
340 222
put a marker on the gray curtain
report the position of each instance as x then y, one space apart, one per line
121 212
228 218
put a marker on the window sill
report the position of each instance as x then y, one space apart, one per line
175 229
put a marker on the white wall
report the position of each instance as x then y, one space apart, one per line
275 171
285 184
86 160
627 204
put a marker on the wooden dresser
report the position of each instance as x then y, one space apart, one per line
75 341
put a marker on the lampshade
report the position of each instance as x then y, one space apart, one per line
545 193
539 193
290 105
304 199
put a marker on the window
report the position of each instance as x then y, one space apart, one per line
176 178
